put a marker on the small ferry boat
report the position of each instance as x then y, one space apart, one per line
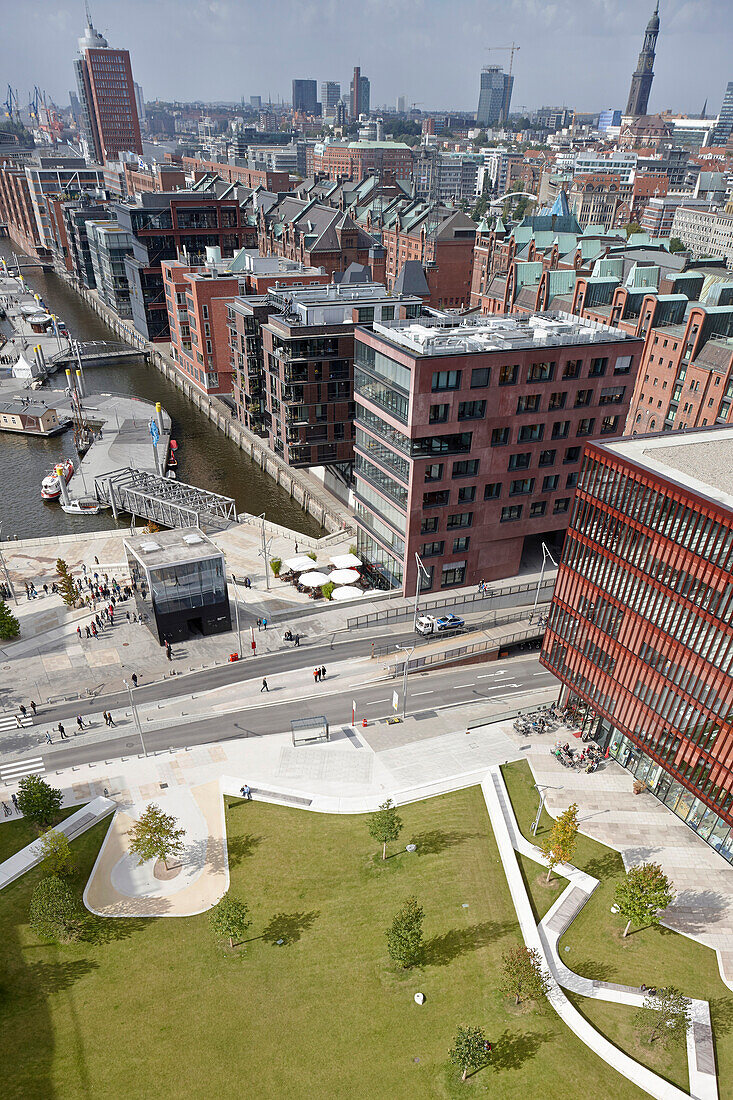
81 507
51 485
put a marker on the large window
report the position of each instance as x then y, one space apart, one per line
521 485
471 410
529 404
459 519
510 513
441 445
379 393
438 414
467 467
380 427
446 380
531 433
453 574
540 372
520 461
387 484
381 453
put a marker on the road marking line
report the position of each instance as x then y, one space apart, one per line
542 673
416 693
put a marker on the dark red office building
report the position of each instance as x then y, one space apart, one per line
469 436
641 625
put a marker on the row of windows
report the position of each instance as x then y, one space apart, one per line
534 433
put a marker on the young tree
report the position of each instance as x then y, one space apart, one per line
385 825
469 1050
55 913
559 846
632 227
327 590
9 625
404 938
522 975
37 801
642 894
276 565
676 245
67 588
54 847
230 917
155 836
666 1014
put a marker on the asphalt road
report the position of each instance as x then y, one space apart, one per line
426 691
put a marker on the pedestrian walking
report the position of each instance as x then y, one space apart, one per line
246 792
80 721
296 639
259 624
62 731
264 624
128 615
14 800
49 739
94 630
264 685
33 708
78 631
323 672
22 709
45 589
89 633
134 678
296 548
18 722
316 674
110 720
168 653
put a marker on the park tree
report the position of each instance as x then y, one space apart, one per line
9 625
55 913
642 894
470 1049
665 1014
230 917
632 227
65 582
155 836
676 245
522 975
404 937
559 845
55 850
385 824
38 801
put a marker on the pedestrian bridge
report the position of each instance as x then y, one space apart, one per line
164 501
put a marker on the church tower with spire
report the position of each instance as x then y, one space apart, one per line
641 81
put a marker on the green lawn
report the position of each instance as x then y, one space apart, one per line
157 1007
655 956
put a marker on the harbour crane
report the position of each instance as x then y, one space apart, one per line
12 106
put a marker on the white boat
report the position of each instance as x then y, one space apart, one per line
51 485
81 507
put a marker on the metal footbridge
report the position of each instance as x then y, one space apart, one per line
163 501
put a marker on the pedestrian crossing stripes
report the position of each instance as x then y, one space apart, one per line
11 773
8 722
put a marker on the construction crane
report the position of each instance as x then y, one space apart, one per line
12 106
514 48
34 104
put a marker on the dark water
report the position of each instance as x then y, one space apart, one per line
205 457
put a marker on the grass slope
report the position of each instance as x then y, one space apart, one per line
656 956
158 1007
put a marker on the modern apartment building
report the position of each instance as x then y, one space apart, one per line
294 352
706 232
641 624
495 96
305 96
109 245
109 117
330 95
469 436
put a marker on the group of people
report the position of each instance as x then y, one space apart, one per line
97 625
319 673
262 624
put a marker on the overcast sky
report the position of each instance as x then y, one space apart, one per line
575 52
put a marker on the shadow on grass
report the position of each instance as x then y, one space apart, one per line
434 841
101 930
594 969
511 1050
603 867
721 1015
242 847
442 950
288 927
58 976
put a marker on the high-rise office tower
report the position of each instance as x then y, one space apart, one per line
360 92
724 129
495 96
305 96
330 95
402 104
641 81
109 118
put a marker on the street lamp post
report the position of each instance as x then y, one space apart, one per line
541 792
236 609
420 571
408 653
264 551
545 555
136 716
6 574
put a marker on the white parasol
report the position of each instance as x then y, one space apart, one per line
346 593
313 580
299 563
344 576
345 561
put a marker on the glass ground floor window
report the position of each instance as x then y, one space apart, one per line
701 818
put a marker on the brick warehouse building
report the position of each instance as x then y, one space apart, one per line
640 626
469 435
439 238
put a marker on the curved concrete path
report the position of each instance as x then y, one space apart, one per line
544 938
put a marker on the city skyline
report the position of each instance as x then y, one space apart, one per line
391 44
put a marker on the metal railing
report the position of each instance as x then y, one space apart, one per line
428 603
457 654
497 620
